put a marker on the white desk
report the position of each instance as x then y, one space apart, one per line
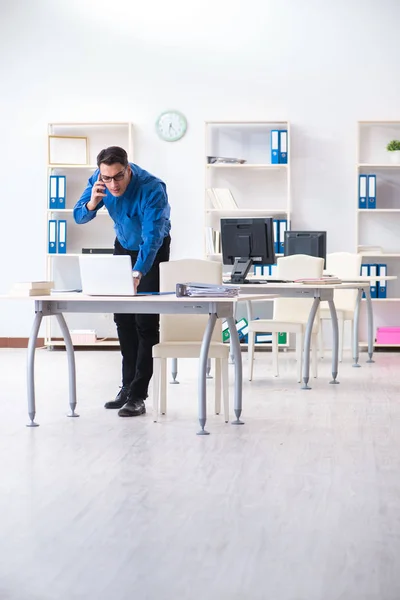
321 293
58 304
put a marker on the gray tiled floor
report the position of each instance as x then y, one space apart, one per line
302 503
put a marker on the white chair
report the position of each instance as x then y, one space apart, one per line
290 314
181 335
344 265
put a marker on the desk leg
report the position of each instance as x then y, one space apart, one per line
71 364
370 313
307 344
209 368
237 358
205 346
174 371
31 368
335 341
356 328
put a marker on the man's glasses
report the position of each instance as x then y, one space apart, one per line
118 177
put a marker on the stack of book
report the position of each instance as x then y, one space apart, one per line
32 288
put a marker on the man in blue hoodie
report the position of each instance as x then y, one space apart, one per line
137 202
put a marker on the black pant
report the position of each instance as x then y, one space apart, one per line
139 333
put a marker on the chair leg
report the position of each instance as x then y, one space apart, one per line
225 388
250 353
321 339
314 354
217 389
275 353
156 387
163 385
341 337
299 355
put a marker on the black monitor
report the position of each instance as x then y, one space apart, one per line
312 243
246 242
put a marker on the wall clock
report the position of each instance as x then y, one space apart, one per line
171 125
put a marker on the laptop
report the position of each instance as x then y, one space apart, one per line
106 275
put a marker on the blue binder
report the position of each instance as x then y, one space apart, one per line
53 200
52 236
373 272
371 191
283 146
61 188
258 270
274 147
275 224
62 236
362 191
382 283
282 229
364 273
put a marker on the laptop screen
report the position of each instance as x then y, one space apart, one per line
106 275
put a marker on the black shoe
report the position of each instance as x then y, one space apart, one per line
121 398
133 408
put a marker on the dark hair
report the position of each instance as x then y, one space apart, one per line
112 155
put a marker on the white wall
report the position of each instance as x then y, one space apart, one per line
321 65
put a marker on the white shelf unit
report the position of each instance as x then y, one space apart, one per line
63 269
260 188
380 226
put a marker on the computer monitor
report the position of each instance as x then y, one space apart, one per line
312 243
246 242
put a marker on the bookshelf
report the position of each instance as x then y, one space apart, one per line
258 187
379 227
77 163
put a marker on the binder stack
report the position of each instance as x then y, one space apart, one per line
367 191
57 192
279 146
57 242
378 287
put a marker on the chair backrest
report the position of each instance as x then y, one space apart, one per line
187 328
298 266
344 265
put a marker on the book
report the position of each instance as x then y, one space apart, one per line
33 285
210 249
27 293
370 250
221 198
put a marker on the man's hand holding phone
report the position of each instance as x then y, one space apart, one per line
98 193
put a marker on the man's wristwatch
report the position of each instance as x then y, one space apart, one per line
137 274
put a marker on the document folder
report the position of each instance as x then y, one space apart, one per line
362 191
61 191
371 191
62 236
52 236
274 147
283 143
382 283
53 204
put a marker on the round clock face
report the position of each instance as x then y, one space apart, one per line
171 126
